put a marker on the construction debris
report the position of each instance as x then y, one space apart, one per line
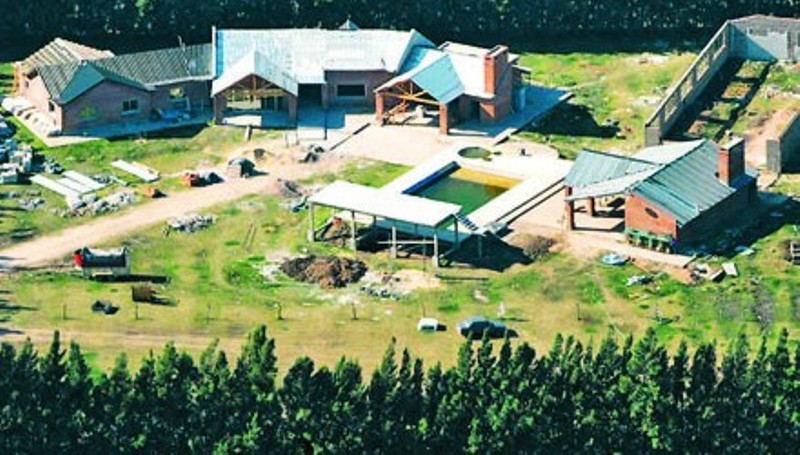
31 204
105 307
240 168
145 173
190 223
639 279
730 269
326 271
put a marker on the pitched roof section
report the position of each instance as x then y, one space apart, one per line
679 178
88 75
255 63
141 70
450 71
593 167
60 51
305 54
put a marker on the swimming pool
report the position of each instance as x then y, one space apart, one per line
466 187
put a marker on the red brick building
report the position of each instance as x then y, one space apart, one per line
72 87
675 194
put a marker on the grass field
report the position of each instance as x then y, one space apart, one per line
217 291
614 94
170 152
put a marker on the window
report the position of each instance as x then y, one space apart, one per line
651 212
351 90
130 107
177 94
51 106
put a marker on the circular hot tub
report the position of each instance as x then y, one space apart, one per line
475 153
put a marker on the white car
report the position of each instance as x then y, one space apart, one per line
430 325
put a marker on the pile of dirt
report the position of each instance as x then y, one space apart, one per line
326 271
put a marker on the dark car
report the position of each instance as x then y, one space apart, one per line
473 328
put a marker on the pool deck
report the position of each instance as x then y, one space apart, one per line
539 177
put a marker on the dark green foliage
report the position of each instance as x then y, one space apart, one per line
628 398
98 21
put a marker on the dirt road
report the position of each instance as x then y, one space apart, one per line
52 247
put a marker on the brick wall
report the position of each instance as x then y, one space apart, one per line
498 80
37 94
722 216
370 79
197 92
103 105
644 216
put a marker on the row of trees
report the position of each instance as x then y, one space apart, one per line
633 397
514 20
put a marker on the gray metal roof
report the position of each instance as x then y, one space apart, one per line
385 204
255 63
679 178
305 54
142 70
60 51
593 167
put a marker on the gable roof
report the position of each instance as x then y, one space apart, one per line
447 72
255 63
679 178
141 70
305 54
60 51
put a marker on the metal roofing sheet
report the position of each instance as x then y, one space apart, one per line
306 54
142 70
385 204
257 64
60 51
593 167
610 187
667 153
687 186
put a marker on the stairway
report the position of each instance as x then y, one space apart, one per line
467 223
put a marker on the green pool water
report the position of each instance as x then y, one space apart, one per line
467 188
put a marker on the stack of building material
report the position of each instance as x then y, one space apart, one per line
145 173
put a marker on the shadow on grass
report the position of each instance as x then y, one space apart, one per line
570 119
133 278
178 132
765 221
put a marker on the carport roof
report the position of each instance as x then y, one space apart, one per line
385 204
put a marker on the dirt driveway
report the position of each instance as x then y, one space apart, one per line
52 247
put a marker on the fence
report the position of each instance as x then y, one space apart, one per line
780 150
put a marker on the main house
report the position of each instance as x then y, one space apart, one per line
255 77
675 194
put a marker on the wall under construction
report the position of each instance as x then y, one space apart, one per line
759 38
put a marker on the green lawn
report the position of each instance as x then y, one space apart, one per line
6 77
614 95
217 291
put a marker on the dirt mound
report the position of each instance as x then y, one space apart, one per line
326 271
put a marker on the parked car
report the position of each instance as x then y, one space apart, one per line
430 325
473 328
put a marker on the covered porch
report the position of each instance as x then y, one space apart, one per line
255 92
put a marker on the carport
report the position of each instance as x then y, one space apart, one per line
422 220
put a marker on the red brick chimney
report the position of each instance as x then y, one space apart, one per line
494 63
730 161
